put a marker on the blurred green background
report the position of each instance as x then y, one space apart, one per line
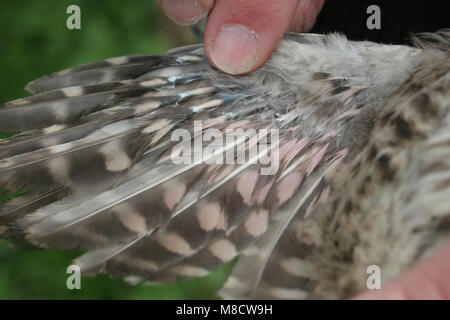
35 41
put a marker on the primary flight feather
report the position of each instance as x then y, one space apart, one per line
362 174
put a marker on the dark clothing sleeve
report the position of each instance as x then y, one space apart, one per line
399 18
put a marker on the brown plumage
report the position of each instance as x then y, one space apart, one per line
362 178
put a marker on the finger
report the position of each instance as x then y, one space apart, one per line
186 12
241 34
305 15
429 279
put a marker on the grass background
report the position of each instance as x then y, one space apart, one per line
35 41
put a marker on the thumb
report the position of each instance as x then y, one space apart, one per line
241 34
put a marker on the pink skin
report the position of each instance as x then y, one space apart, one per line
241 34
251 30
429 279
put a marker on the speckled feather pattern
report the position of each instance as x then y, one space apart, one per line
362 179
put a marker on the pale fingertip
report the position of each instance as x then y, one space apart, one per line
234 49
184 12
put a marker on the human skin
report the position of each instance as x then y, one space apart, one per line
428 279
239 37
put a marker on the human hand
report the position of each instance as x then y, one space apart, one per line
429 279
240 35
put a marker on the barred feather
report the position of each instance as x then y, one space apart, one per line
95 162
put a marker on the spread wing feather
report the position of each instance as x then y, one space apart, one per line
94 157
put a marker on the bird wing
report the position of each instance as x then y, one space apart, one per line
91 160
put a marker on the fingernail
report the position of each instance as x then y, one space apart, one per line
185 12
234 49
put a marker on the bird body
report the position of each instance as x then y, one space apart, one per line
362 174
